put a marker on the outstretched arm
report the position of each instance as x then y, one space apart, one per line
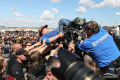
48 40
32 46
40 48
56 37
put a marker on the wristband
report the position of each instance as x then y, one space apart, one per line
69 49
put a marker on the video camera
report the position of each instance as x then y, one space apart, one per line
72 68
74 32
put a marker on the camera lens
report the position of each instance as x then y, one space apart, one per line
79 71
72 68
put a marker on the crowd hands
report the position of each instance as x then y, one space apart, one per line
32 55
24 56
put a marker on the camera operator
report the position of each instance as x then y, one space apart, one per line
100 45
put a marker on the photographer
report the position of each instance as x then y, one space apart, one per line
100 45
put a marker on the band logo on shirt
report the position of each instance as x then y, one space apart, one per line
101 40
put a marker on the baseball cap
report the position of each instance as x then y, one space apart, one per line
22 51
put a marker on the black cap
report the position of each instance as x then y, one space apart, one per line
22 51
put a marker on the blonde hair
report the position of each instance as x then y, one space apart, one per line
1 65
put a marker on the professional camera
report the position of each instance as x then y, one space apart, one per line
72 68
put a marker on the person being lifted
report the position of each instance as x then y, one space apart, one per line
51 36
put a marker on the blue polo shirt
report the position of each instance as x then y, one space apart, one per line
49 35
101 47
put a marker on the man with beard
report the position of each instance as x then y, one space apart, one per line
16 68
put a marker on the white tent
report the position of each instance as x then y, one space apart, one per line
2 31
116 30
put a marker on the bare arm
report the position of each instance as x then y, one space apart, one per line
52 53
56 37
30 47
40 49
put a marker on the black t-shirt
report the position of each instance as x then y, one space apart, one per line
12 58
0 76
38 71
16 70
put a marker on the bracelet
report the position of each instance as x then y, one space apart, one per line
69 49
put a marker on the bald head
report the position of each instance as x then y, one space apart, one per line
16 46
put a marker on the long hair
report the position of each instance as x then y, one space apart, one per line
1 65
35 61
91 64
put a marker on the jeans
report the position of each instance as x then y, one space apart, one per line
62 23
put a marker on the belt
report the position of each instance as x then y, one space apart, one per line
114 64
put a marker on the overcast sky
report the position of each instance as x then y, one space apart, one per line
35 13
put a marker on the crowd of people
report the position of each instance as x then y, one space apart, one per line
32 55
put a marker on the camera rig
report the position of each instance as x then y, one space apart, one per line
73 31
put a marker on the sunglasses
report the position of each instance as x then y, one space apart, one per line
28 45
